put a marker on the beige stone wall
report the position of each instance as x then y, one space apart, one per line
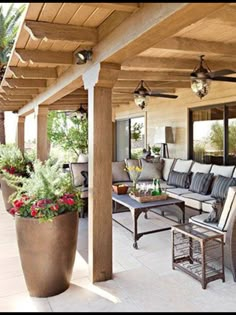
168 112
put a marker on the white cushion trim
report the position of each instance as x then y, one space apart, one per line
222 170
230 202
201 168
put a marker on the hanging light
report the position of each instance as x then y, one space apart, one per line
81 113
83 56
200 82
141 95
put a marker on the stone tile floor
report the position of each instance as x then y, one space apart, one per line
143 280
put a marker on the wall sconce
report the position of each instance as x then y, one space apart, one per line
83 56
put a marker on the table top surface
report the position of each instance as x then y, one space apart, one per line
197 231
127 201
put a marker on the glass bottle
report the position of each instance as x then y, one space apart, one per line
154 191
159 186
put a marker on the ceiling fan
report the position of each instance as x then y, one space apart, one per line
201 77
143 92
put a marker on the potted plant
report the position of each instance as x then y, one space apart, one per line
45 207
156 150
12 161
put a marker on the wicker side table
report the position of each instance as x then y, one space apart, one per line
199 252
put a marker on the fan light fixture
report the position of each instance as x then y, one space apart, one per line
200 82
81 113
141 97
83 56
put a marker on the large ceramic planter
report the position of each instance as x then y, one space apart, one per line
6 192
47 252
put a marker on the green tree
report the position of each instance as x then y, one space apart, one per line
70 133
9 24
217 135
232 137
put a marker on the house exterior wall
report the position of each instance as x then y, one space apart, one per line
174 113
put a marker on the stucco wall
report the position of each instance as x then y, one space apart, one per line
168 112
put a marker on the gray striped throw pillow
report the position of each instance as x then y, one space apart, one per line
221 186
179 179
201 182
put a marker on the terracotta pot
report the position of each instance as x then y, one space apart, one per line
6 192
47 252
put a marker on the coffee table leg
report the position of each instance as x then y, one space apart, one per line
181 205
135 214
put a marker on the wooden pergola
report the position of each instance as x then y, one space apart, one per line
156 42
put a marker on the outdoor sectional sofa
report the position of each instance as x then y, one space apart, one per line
199 201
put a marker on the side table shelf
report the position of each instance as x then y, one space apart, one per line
199 252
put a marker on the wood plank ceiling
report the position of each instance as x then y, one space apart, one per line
52 33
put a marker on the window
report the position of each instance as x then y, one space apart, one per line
130 138
213 134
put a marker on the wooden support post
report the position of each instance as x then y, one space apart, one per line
99 82
41 112
20 136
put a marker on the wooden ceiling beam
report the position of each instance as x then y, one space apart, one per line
26 83
19 97
153 76
118 91
34 73
11 91
9 108
127 7
6 103
120 85
45 57
199 46
61 32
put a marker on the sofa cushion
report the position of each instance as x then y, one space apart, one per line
76 168
179 179
200 220
194 200
201 182
164 184
119 174
151 169
182 166
178 191
221 185
234 173
167 167
228 210
226 171
202 168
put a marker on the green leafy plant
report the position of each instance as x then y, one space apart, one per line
46 193
156 149
13 161
70 133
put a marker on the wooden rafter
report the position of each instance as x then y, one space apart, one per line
127 7
47 57
27 83
38 73
152 75
11 91
199 46
18 97
62 32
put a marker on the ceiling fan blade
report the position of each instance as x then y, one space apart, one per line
220 73
163 95
226 79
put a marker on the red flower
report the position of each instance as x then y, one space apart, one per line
69 201
18 203
12 170
54 207
25 197
12 211
33 212
68 196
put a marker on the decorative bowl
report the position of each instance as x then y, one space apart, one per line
120 189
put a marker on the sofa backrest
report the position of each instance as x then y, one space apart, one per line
167 167
201 168
182 166
229 209
119 174
76 168
222 170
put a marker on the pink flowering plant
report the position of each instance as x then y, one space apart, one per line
45 194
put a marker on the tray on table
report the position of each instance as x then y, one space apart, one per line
144 198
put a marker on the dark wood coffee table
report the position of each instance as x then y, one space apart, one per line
136 208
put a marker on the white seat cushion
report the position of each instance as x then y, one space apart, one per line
182 166
226 171
165 185
201 168
178 191
207 205
229 209
195 200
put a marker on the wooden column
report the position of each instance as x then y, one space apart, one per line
20 133
99 82
41 112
